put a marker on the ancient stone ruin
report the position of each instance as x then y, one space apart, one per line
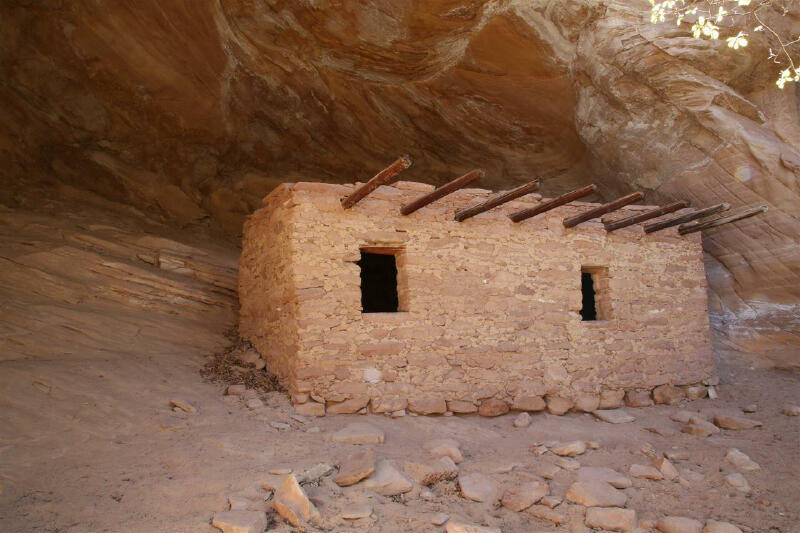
366 305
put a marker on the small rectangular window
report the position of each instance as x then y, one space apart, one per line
596 304
378 281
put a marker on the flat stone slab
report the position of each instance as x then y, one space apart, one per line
355 468
524 495
359 433
240 521
741 461
570 449
735 422
431 471
356 511
646 472
596 494
614 416
712 526
387 480
611 518
679 524
602 473
458 527
293 505
477 487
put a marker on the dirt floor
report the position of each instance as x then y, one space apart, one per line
90 359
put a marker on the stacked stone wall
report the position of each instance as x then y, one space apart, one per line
490 309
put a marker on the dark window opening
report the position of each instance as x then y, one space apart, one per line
378 283
589 308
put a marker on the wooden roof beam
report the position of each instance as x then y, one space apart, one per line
635 219
381 178
688 217
573 221
543 207
697 226
496 200
442 191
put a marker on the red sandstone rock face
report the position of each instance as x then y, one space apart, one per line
196 109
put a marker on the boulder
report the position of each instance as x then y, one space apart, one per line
445 448
239 521
355 468
611 518
492 407
556 405
602 473
529 403
667 394
570 449
359 433
348 407
431 471
387 480
596 494
587 402
712 526
477 487
293 505
427 405
735 422
741 461
679 524
611 399
524 495
614 416
791 410
638 398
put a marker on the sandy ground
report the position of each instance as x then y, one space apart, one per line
91 355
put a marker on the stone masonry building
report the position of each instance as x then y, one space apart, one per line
366 307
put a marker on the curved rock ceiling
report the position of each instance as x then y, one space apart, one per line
194 109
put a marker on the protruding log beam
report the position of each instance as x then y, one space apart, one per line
698 226
442 191
573 221
496 200
382 177
543 207
635 219
688 217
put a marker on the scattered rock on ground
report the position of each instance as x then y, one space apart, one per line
524 495
545 513
570 449
699 427
522 420
235 390
712 526
645 472
741 461
477 487
738 482
546 470
458 527
315 472
666 468
183 406
791 410
683 416
277 425
550 501
355 468
568 464
292 503
439 518
431 471
735 422
596 494
356 511
492 407
751 408
387 480
359 433
239 521
614 416
679 524
602 473
254 403
611 518
445 447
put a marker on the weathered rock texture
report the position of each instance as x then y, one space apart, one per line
194 110
489 310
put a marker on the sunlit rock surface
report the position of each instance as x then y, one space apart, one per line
193 110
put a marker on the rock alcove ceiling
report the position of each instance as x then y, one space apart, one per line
192 111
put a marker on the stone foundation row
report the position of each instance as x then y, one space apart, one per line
308 404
